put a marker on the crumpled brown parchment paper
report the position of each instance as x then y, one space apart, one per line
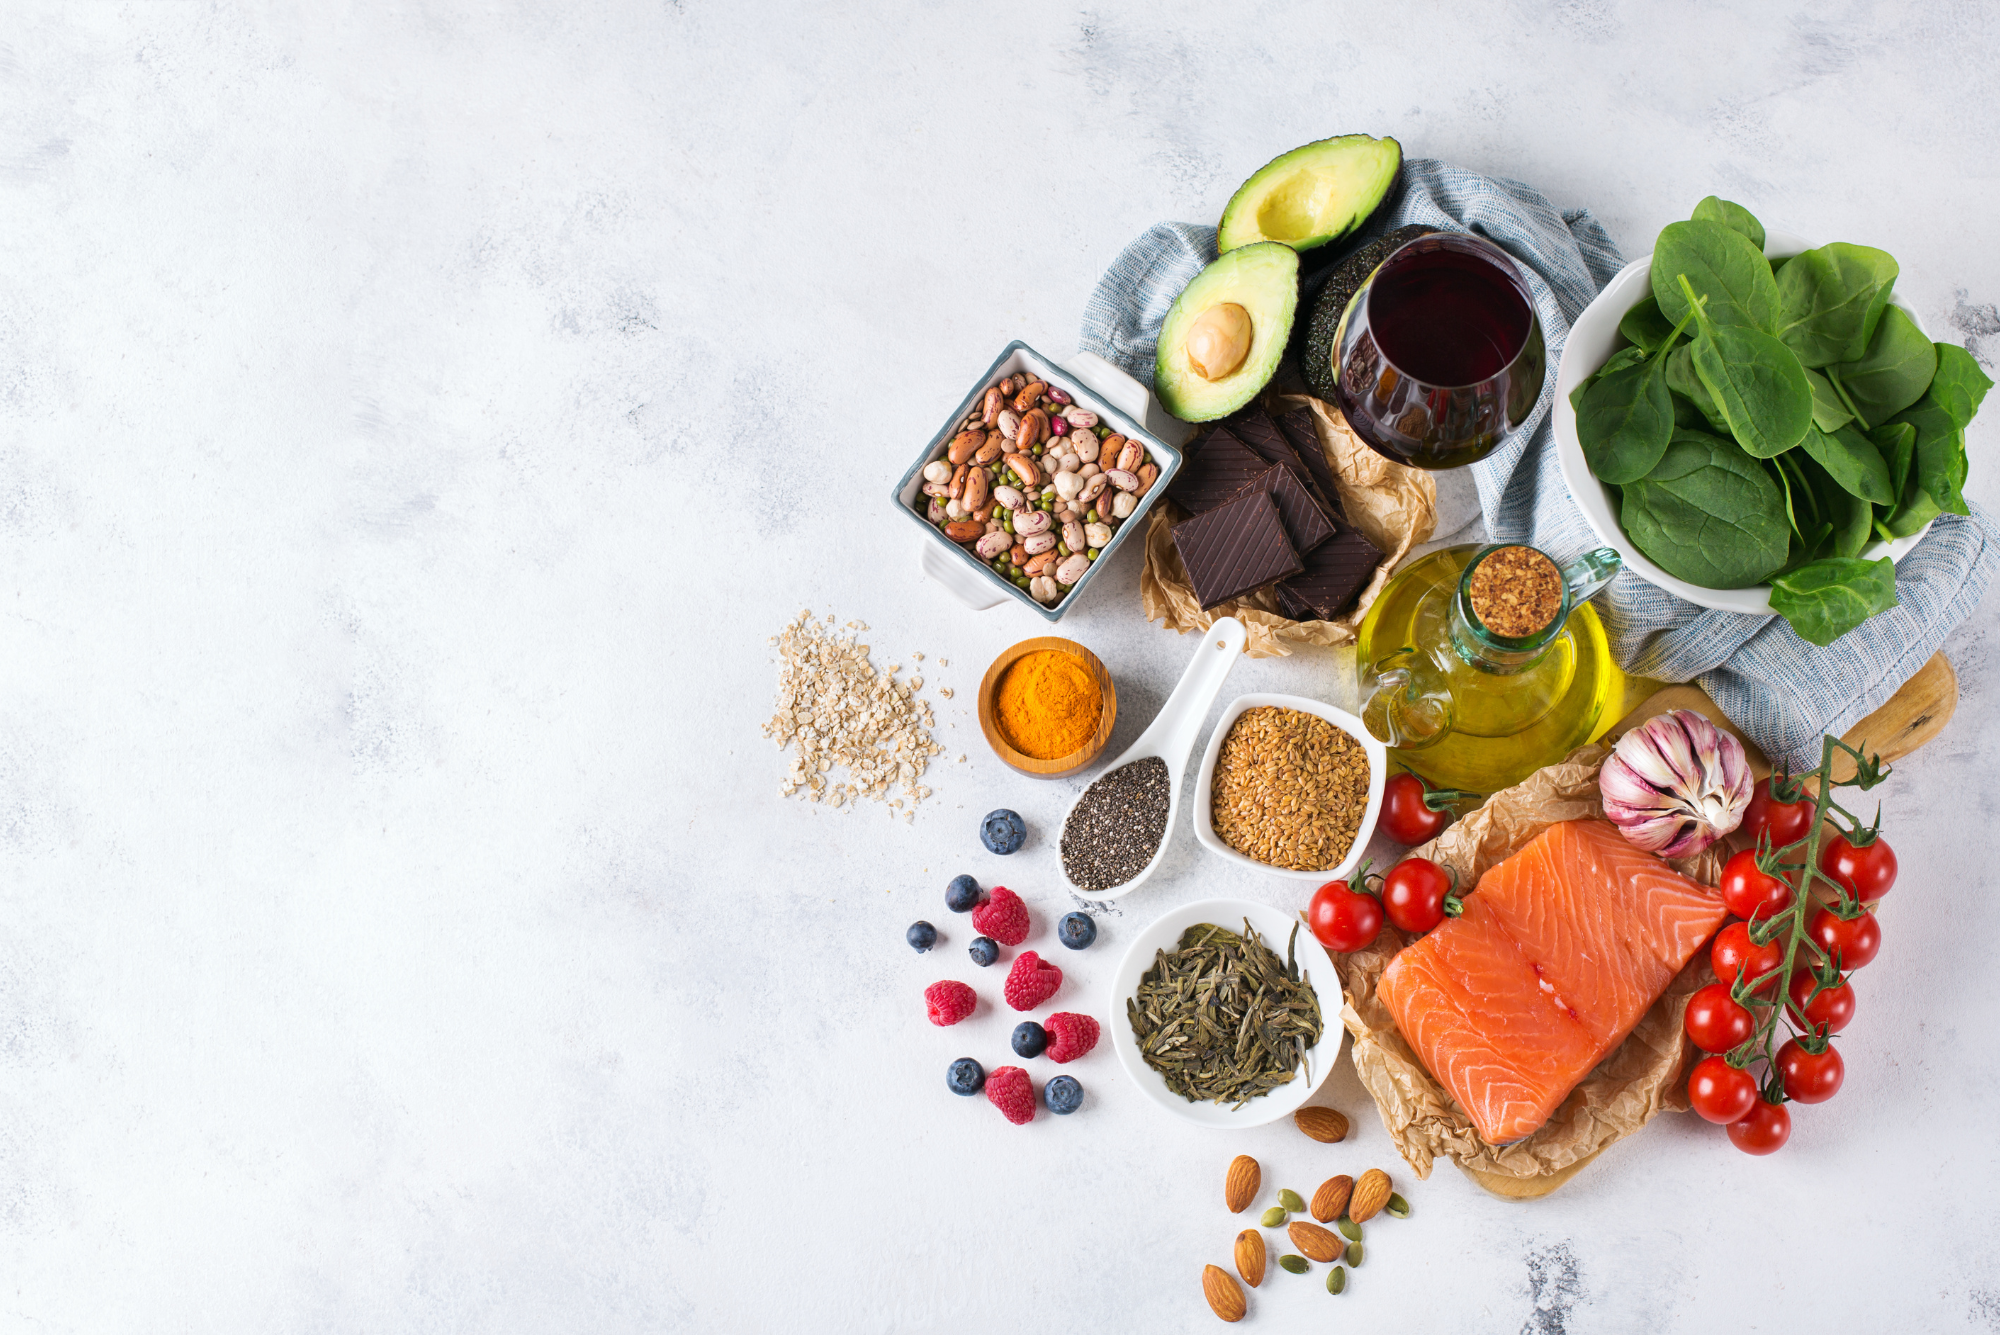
1641 1077
1393 504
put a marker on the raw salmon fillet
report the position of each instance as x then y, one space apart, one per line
1557 956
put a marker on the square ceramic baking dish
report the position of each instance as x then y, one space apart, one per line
1118 400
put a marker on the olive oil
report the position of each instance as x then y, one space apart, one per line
1497 727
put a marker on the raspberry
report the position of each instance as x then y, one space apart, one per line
1010 1090
1003 917
1031 981
949 1002
1070 1035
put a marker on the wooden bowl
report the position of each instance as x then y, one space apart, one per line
989 686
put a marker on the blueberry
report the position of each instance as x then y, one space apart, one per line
921 936
1029 1039
984 950
1076 930
966 1076
1063 1095
962 895
1002 831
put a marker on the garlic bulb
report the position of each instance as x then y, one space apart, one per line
1675 784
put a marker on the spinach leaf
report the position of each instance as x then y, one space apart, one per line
1756 382
1892 374
1916 510
1829 412
1708 514
1627 419
1733 216
1801 510
1686 385
1938 464
1720 265
1897 442
1618 361
1853 461
1831 596
1830 300
1646 325
1961 383
1851 517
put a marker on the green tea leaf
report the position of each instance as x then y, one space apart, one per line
1829 413
1853 461
1960 385
1646 325
1830 300
1833 595
1720 265
1757 384
1733 216
1708 514
1893 373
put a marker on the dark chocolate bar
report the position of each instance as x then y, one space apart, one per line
1335 572
1292 605
1307 523
1219 470
1255 428
1235 547
1299 429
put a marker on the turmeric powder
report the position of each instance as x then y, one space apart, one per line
1048 704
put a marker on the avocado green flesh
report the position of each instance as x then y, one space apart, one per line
1312 195
1263 279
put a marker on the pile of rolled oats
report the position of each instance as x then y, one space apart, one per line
833 709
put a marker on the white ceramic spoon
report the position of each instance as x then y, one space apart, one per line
1171 735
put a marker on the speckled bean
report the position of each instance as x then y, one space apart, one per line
1037 543
1027 522
1122 480
993 544
1072 568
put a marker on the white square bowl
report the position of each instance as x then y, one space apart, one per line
1378 776
1275 926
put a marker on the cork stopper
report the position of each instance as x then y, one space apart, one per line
1516 592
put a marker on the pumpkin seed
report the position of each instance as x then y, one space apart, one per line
1398 1207
1292 1201
1298 1265
1274 1217
1354 1253
1350 1228
1336 1279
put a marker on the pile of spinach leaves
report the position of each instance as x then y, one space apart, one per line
1767 419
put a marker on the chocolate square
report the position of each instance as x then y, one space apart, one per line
1307 523
1335 572
1292 605
1299 429
1221 468
1235 547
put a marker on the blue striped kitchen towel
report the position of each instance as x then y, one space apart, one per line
1783 692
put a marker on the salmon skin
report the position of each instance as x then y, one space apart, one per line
1557 956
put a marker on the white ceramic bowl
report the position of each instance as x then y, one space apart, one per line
1378 776
1592 340
1275 926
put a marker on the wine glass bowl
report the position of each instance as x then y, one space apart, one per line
1440 354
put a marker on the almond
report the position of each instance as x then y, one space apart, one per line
1250 1256
1326 1125
1331 1199
1239 1188
1371 1193
1223 1292
1315 1241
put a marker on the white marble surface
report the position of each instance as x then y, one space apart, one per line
413 421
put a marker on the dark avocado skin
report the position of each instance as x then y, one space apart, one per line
1313 338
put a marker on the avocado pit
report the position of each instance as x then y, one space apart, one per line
1219 340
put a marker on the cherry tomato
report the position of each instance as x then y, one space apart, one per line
1764 1130
1828 1012
1748 891
1733 952
1866 873
1413 812
1720 1092
1344 919
1810 1077
1715 1022
1851 941
1787 822
1417 895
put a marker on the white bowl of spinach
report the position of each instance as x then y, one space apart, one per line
1761 425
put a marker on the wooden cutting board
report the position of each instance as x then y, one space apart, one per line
1912 716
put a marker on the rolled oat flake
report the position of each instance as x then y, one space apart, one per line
1117 826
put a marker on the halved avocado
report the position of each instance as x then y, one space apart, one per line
1313 195
1223 338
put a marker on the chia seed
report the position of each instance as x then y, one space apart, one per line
1117 827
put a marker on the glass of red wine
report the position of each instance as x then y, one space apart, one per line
1440 354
